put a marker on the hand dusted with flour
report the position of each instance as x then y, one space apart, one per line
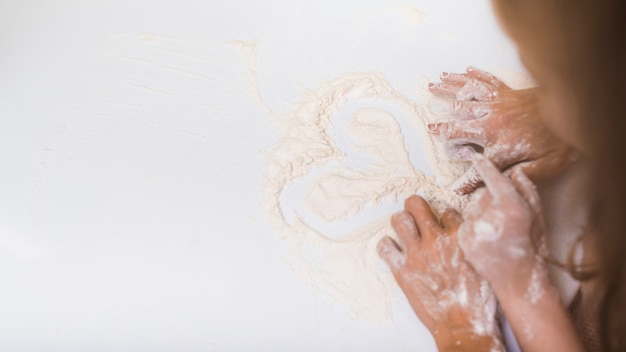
449 297
502 223
489 116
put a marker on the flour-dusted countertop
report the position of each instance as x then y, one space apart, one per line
133 137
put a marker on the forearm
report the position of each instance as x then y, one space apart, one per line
539 319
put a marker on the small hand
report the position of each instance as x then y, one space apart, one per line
502 239
502 123
452 301
502 236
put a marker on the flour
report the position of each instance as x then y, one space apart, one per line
361 167
486 231
475 90
342 154
535 289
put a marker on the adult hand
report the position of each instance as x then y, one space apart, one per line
504 124
448 296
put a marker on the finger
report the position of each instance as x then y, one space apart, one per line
497 184
471 179
526 188
468 182
451 220
550 165
425 219
469 110
389 251
461 150
407 230
450 84
486 77
455 78
468 130
444 89
438 206
476 90
480 200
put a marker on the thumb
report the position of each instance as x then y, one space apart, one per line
551 165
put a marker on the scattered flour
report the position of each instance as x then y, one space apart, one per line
535 289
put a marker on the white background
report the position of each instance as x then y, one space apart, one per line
132 155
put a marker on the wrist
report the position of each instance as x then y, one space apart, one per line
539 319
467 340
529 282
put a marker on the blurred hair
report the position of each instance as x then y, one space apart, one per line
601 91
587 51
594 34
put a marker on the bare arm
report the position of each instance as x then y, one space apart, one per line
541 325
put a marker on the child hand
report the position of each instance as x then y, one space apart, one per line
497 239
500 226
503 123
452 301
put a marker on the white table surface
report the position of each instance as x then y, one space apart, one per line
132 157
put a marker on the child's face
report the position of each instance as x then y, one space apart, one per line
533 27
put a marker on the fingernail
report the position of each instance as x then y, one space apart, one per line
433 127
470 68
431 84
444 75
465 153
